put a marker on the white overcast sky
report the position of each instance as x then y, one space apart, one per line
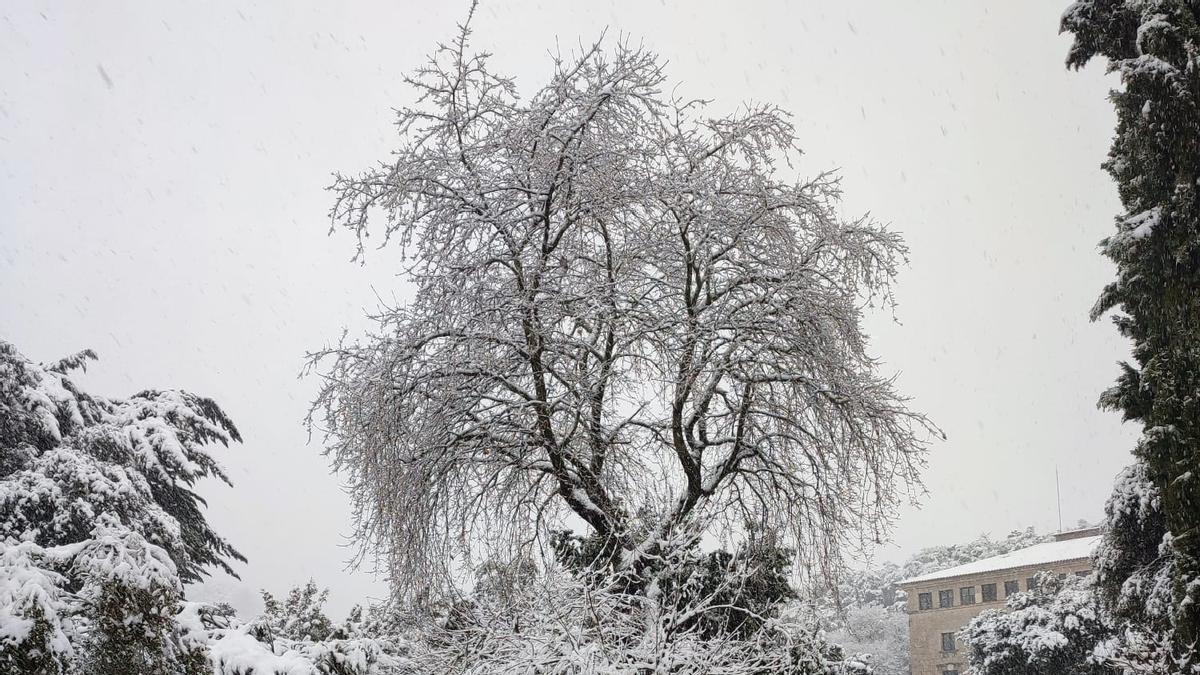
162 167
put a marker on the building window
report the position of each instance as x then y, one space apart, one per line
949 670
966 595
1082 574
989 592
948 642
1010 587
925 601
945 598
1031 583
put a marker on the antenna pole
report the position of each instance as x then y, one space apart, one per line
1058 491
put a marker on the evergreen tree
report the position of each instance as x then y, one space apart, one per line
1153 533
69 456
99 526
300 617
1057 628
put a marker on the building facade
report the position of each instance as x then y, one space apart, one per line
942 603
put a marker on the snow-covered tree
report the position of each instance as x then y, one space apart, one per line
1057 628
1149 564
299 617
627 312
99 526
69 456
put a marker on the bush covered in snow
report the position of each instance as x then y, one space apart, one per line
1057 628
561 623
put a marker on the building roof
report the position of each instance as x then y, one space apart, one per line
1038 554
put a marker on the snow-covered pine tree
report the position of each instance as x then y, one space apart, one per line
99 526
69 456
1149 565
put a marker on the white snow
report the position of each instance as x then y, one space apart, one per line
1038 554
1140 225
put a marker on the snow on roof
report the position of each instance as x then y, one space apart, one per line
1038 554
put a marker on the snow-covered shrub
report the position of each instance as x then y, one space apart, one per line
236 651
295 637
1057 628
743 586
300 617
129 600
569 625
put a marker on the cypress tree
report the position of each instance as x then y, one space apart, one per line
1153 537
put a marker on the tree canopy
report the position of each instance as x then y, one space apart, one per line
1149 566
627 312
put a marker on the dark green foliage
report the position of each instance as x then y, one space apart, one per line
741 590
581 554
33 655
1155 159
134 631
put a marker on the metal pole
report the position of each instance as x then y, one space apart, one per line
1058 490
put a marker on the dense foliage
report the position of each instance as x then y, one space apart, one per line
1056 628
68 457
1149 566
99 526
559 622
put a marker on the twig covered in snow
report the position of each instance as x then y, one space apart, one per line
626 311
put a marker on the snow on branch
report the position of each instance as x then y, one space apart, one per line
626 311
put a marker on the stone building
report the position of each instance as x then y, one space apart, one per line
942 603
